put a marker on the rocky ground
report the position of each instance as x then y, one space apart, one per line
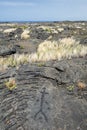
50 95
26 37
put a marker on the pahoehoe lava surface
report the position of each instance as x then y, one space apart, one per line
41 100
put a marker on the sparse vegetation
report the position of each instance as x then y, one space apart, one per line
24 27
48 30
81 85
21 47
10 84
9 30
20 26
41 64
64 48
25 34
70 88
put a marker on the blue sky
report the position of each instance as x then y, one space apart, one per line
43 10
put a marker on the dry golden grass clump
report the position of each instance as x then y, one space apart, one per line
64 48
47 46
48 50
9 30
10 84
25 34
81 85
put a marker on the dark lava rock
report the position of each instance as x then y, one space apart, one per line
41 101
15 35
7 50
78 30
39 34
12 36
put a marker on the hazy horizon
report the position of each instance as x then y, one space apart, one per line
46 10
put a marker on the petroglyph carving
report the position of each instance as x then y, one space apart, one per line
42 101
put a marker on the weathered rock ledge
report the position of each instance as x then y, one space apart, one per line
41 100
